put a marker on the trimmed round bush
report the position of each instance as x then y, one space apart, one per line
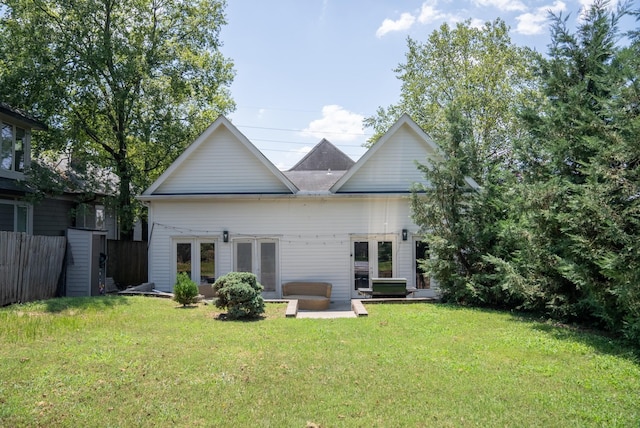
185 291
240 294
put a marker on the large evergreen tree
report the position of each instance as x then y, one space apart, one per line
464 86
124 85
582 211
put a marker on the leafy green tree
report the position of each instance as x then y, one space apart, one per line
477 71
464 87
124 85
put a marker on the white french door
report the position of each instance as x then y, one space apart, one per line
259 256
197 258
372 257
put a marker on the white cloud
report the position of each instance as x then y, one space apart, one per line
336 125
503 5
532 23
405 22
429 13
585 5
476 23
557 7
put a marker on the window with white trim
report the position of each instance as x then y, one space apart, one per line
197 258
13 142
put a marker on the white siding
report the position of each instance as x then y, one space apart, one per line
392 167
314 234
222 164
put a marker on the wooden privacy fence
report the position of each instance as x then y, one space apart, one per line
127 262
30 266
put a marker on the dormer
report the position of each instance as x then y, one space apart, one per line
15 141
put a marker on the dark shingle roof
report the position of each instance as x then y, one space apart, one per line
323 157
12 186
320 168
21 116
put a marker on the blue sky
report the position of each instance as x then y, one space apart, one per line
313 69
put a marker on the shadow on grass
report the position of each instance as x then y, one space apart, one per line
600 341
225 317
60 304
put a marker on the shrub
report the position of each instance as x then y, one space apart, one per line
185 291
239 294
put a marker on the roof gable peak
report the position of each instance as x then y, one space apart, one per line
324 156
239 138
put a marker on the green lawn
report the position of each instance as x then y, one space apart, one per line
134 361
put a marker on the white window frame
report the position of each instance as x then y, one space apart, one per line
195 255
256 258
414 262
26 142
101 217
372 241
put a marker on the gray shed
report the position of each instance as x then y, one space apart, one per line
86 262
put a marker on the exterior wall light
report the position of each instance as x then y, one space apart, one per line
225 236
405 234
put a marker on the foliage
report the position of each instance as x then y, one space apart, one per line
240 294
582 178
185 291
464 87
554 226
461 223
123 85
477 71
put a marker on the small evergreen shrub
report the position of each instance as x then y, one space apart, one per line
185 291
240 294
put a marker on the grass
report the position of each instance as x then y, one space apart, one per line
134 361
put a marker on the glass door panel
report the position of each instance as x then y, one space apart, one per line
244 257
207 263
361 264
183 258
385 259
422 252
268 265
372 258
260 257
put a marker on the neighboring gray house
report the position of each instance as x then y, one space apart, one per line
51 215
223 206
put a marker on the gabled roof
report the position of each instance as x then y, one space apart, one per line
222 162
371 166
324 157
404 120
13 186
21 117
319 169
222 126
